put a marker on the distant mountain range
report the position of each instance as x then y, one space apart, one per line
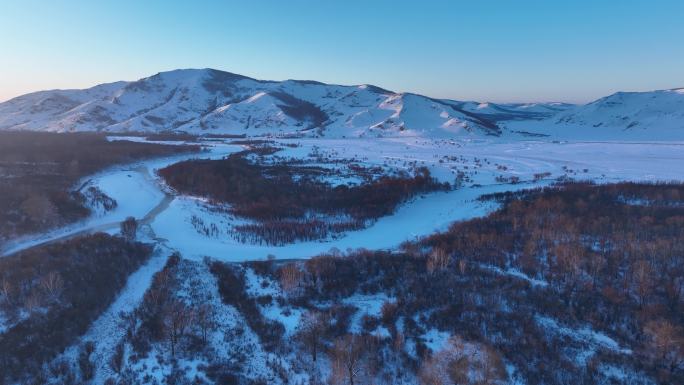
655 115
212 101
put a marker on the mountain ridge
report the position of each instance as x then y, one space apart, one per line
652 115
213 101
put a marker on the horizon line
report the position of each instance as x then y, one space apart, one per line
484 101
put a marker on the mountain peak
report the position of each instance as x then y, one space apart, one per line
210 100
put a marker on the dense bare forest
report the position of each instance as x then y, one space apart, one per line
579 257
290 202
38 171
577 283
50 295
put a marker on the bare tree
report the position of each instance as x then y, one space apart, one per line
462 264
438 260
462 362
34 300
85 364
129 228
347 355
205 320
177 318
6 291
116 362
311 329
291 277
53 284
642 277
666 344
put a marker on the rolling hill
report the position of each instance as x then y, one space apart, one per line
212 101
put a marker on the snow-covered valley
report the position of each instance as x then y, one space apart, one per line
223 306
603 162
141 194
168 219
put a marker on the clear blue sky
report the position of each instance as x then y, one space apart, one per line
502 50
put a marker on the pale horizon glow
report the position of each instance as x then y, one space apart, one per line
524 51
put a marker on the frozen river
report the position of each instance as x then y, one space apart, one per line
166 218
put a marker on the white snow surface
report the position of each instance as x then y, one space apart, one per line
645 116
141 194
166 218
212 101
603 162
588 341
106 331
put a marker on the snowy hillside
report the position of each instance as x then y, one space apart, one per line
515 111
656 115
207 101
212 101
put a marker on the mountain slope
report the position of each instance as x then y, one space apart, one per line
654 115
514 111
212 101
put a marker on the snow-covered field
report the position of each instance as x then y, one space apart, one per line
481 148
136 189
487 165
483 161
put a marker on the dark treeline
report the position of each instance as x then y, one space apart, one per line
177 135
595 260
267 192
175 315
37 170
161 315
280 232
233 290
657 193
613 253
51 294
285 196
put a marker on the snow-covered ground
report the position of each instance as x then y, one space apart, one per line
589 340
210 101
654 115
487 165
107 331
623 137
482 161
517 274
136 188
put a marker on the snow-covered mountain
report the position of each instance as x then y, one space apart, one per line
212 101
515 111
655 115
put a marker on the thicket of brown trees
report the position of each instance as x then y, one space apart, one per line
162 316
175 315
38 169
290 202
609 258
232 288
51 295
